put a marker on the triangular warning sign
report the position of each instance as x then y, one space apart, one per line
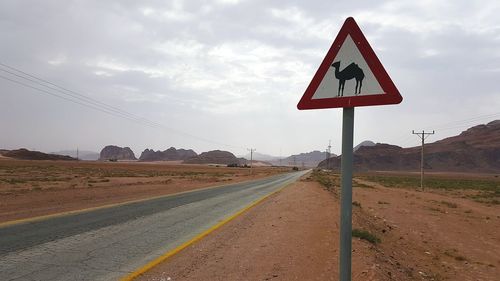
350 75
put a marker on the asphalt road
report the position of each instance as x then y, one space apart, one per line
106 244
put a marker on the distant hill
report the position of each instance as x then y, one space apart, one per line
214 157
113 152
25 154
170 154
308 159
364 143
255 163
476 149
82 154
260 157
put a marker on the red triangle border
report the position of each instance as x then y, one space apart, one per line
391 96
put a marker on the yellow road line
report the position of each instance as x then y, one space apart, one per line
170 253
62 214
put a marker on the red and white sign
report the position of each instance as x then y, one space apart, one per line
350 75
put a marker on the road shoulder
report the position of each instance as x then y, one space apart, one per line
290 236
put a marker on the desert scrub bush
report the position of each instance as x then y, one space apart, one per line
362 185
365 235
435 183
454 254
97 180
13 180
488 190
325 179
449 204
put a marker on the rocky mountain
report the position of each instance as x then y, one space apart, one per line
214 157
25 154
170 154
82 154
113 152
475 150
363 143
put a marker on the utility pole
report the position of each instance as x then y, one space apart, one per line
77 154
422 136
251 158
328 153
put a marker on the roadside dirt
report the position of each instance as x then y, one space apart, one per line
432 236
36 188
293 235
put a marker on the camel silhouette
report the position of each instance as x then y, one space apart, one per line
351 71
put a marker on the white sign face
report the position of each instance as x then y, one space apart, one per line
349 75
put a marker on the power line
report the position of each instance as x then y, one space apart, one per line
459 123
71 93
76 101
76 96
405 139
55 95
50 88
100 106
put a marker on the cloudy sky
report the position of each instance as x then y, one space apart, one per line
228 74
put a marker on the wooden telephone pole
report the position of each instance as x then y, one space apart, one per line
423 135
328 153
252 150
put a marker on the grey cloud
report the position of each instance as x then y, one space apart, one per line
234 72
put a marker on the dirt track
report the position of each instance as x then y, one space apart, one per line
294 236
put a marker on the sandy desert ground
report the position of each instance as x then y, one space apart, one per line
36 188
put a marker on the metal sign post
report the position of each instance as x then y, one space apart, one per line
346 194
349 76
